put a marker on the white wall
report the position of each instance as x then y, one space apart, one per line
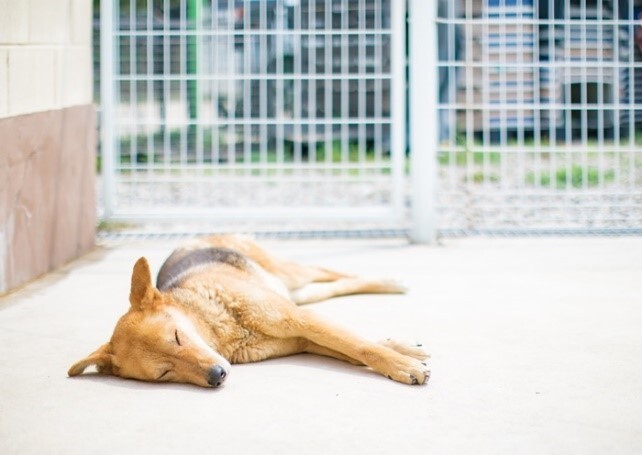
45 55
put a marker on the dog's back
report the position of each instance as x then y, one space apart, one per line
214 256
185 261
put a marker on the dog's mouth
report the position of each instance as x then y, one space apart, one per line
212 377
210 374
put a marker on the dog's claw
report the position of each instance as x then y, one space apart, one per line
414 380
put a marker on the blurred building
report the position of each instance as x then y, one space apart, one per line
566 66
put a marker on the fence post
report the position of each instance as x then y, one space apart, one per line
424 121
106 104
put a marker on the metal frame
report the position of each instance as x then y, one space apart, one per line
183 139
537 132
529 125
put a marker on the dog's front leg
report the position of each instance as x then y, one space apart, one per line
388 362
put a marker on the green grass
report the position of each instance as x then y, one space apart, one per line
483 166
558 168
113 226
135 149
463 158
576 177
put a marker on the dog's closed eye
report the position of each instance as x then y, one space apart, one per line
178 341
163 375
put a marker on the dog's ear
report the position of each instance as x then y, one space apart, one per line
101 357
142 291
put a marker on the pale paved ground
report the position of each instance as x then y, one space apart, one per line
536 344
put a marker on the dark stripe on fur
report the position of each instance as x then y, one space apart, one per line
178 264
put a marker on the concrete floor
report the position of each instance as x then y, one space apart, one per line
536 348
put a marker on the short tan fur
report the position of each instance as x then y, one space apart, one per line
223 300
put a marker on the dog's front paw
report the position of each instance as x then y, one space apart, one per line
408 371
420 380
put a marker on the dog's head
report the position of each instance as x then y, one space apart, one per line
155 341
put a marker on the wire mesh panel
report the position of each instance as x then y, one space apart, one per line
540 108
254 109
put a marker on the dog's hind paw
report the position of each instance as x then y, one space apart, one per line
394 286
386 286
415 351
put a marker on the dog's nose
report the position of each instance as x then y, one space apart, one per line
216 376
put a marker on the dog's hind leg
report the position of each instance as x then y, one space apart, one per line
292 274
306 283
315 292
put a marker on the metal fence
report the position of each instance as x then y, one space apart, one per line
267 110
540 112
524 115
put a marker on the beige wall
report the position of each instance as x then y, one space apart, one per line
47 137
45 55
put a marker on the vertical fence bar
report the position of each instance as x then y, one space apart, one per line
617 89
232 75
378 86
106 104
247 93
398 103
361 83
632 69
328 83
279 108
263 85
182 30
149 129
423 119
166 92
194 14
297 113
132 131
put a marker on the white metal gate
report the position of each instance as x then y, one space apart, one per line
525 115
539 104
271 109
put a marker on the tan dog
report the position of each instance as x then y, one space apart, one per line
225 300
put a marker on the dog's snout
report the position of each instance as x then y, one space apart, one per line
216 376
